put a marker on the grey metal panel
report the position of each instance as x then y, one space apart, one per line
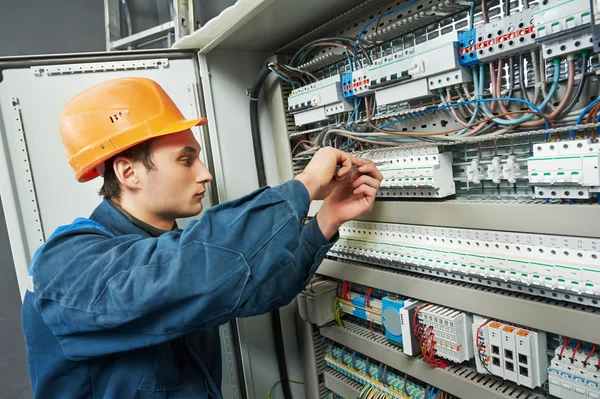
338 383
570 321
454 380
539 218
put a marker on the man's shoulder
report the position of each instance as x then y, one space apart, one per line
63 244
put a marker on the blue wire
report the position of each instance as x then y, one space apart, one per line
281 76
524 118
356 107
472 15
374 20
585 111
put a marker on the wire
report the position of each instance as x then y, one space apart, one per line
506 8
280 75
373 20
582 114
480 345
575 351
565 340
372 332
580 84
277 383
484 12
525 118
472 15
589 355
563 103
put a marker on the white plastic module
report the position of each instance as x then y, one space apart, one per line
449 78
569 169
452 330
401 76
515 354
415 172
318 101
550 262
571 377
563 26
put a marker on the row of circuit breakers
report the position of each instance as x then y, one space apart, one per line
566 170
556 170
514 353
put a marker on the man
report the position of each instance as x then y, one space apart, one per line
126 305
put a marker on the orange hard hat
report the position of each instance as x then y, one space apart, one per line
113 116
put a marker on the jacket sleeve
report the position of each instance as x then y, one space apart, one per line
100 294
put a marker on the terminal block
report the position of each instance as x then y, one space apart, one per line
318 101
568 170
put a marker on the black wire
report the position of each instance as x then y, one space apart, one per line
506 8
580 85
262 181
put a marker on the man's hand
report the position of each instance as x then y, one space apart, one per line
320 177
353 196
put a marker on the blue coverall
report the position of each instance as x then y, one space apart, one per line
119 311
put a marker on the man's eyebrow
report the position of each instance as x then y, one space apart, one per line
188 151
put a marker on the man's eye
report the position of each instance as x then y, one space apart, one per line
187 161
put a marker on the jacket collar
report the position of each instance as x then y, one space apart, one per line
120 222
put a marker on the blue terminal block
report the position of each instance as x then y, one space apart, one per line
347 86
359 302
467 48
391 319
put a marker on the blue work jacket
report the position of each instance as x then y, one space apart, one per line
117 313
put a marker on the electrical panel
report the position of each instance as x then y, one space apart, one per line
513 353
563 27
568 170
421 172
318 101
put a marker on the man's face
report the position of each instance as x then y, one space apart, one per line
175 187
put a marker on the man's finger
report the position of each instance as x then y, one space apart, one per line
368 191
345 160
368 180
370 168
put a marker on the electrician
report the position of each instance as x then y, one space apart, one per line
123 304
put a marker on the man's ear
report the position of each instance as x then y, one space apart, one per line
126 172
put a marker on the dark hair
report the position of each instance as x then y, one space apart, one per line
139 153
